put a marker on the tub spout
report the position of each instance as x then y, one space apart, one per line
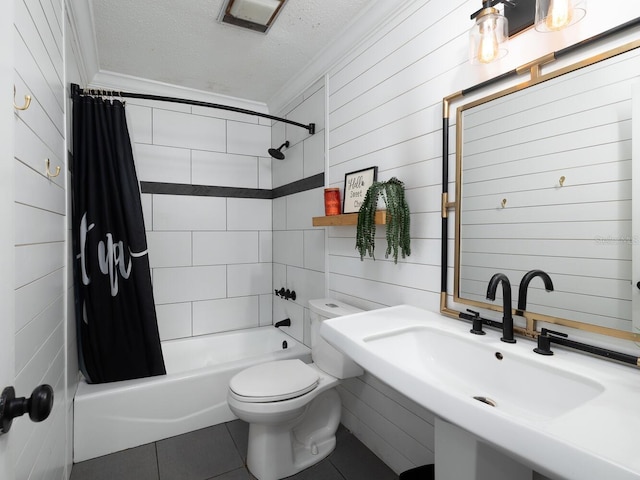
283 323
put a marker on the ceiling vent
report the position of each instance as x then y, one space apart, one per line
256 15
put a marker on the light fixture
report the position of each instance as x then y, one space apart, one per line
554 15
489 37
257 15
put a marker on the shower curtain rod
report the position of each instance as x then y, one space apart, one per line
76 91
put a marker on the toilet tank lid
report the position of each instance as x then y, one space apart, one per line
330 308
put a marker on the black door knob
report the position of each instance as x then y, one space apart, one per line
38 405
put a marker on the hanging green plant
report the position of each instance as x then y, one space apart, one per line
398 220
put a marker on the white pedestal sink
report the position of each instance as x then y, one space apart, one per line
568 416
462 456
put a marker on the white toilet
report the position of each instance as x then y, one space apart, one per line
292 408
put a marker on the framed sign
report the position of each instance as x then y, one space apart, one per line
356 185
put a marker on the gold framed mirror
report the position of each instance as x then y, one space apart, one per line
543 180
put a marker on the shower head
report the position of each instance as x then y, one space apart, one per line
277 153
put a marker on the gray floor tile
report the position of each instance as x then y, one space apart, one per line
198 455
218 453
239 431
240 474
138 463
321 471
356 462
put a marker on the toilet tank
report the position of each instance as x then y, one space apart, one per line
325 356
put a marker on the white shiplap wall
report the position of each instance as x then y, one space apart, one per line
298 248
40 450
210 256
385 109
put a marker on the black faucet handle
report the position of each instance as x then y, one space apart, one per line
546 332
476 327
469 316
544 345
544 341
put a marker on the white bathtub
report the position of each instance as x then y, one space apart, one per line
115 416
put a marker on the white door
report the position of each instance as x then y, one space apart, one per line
6 220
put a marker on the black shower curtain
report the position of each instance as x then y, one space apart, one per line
116 321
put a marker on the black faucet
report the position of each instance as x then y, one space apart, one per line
524 287
507 319
283 323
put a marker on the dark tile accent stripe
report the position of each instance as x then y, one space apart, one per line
303 185
203 190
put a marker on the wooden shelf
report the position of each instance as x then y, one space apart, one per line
346 219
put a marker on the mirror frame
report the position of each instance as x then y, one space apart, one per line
534 70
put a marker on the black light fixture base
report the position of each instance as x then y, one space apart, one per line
521 15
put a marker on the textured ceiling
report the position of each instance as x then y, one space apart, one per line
182 43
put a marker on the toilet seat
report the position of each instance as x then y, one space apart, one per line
274 381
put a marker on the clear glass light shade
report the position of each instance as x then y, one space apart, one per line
489 37
554 15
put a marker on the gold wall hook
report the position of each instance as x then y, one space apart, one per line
27 101
561 181
48 172
503 203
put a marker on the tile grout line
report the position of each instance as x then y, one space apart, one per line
155 447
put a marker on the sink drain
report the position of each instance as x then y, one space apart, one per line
486 400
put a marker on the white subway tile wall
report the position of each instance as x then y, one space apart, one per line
292 167
265 246
225 314
219 248
174 320
156 163
210 256
189 284
298 247
224 169
249 214
170 249
187 213
185 130
247 139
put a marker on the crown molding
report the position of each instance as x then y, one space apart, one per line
116 81
81 23
360 28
